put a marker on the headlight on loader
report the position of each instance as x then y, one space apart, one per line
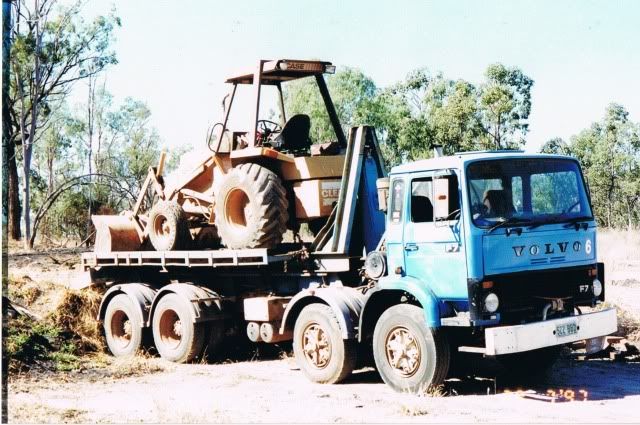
597 287
491 302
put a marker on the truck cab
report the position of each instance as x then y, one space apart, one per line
502 243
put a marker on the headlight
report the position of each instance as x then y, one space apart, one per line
375 265
491 302
597 287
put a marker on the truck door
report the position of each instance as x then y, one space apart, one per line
433 244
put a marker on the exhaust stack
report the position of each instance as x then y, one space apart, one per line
437 151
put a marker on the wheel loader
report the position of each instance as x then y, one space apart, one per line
255 184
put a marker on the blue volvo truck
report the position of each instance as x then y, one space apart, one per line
487 253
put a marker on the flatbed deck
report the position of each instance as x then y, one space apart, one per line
212 258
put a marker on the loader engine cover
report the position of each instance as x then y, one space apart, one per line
315 198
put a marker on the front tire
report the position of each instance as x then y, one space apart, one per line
320 352
409 355
122 327
168 227
175 336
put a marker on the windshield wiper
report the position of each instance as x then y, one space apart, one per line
576 221
509 221
557 220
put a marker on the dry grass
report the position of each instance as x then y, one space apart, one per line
619 250
124 367
76 312
41 413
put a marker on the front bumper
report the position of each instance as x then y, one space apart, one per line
518 338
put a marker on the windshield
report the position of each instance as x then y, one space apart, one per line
526 191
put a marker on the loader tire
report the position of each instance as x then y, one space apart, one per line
251 209
168 228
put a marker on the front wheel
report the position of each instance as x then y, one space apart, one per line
321 353
409 355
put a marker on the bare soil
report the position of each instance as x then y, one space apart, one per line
273 390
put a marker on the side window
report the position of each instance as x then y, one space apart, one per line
422 200
454 195
397 196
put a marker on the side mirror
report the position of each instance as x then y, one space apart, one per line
382 184
441 198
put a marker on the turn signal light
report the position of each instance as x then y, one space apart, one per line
593 272
487 284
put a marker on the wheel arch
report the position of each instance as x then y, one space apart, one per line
388 293
345 302
140 294
204 303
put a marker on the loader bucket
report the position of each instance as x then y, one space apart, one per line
115 233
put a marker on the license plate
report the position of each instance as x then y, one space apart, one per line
567 329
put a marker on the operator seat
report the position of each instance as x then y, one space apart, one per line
421 209
294 136
499 203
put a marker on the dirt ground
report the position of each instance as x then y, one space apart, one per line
272 390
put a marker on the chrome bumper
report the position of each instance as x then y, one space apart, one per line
514 339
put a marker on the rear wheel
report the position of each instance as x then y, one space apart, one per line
168 228
175 336
321 353
409 355
122 327
252 208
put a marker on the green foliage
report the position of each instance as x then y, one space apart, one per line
609 152
32 343
505 103
556 146
353 95
123 146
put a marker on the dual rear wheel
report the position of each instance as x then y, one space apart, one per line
175 336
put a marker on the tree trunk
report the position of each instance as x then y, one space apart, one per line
27 197
13 193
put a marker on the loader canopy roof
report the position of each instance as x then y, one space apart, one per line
281 70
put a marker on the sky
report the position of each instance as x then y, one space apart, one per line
175 55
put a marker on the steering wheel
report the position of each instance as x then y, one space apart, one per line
268 127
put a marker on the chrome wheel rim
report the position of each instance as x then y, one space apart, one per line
316 346
403 351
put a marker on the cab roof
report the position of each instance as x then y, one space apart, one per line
281 70
459 159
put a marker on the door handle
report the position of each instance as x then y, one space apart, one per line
411 247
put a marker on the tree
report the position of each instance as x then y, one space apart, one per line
124 147
51 51
505 102
609 152
424 110
556 146
353 95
